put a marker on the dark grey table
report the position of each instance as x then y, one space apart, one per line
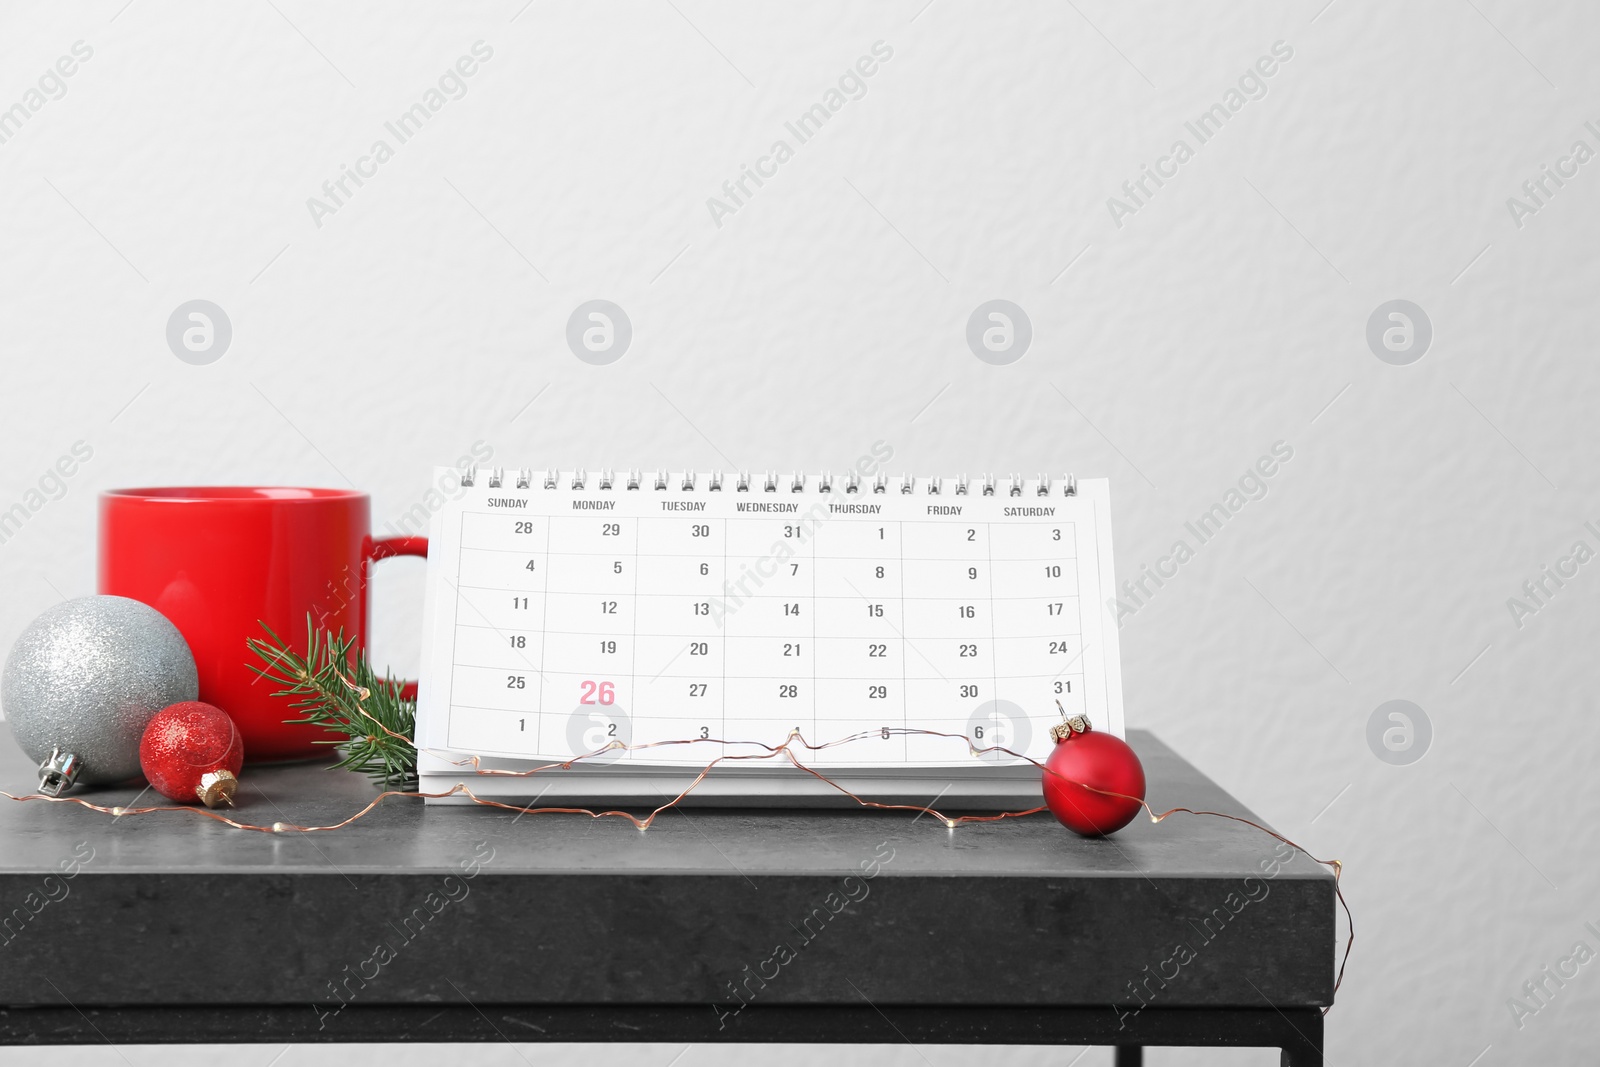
465 924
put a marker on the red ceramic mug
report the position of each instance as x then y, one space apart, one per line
220 561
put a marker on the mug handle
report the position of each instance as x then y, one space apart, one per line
387 548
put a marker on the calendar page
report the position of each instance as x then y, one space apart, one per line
566 612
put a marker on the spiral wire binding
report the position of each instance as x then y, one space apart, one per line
690 481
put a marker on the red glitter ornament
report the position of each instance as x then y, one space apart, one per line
193 751
1083 768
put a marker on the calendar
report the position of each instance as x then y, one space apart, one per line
648 625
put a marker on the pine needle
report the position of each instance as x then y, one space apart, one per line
334 686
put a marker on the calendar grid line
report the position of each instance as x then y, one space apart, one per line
988 555
757 677
912 645
1095 510
539 670
653 610
758 556
905 686
648 762
901 635
633 648
487 625
752 596
813 657
772 517
1052 632
455 618
776 718
1081 650
657 676
722 691
544 631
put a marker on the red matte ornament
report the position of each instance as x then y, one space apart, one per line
1083 758
192 751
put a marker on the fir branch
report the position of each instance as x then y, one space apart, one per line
334 686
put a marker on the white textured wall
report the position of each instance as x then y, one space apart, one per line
1225 315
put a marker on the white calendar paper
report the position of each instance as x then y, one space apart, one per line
563 619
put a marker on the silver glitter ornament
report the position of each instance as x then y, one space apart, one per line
84 680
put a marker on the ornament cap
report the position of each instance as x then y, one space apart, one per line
58 773
216 788
1070 725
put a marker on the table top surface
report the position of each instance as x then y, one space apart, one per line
561 909
407 836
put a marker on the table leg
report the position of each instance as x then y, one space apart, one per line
1133 1056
